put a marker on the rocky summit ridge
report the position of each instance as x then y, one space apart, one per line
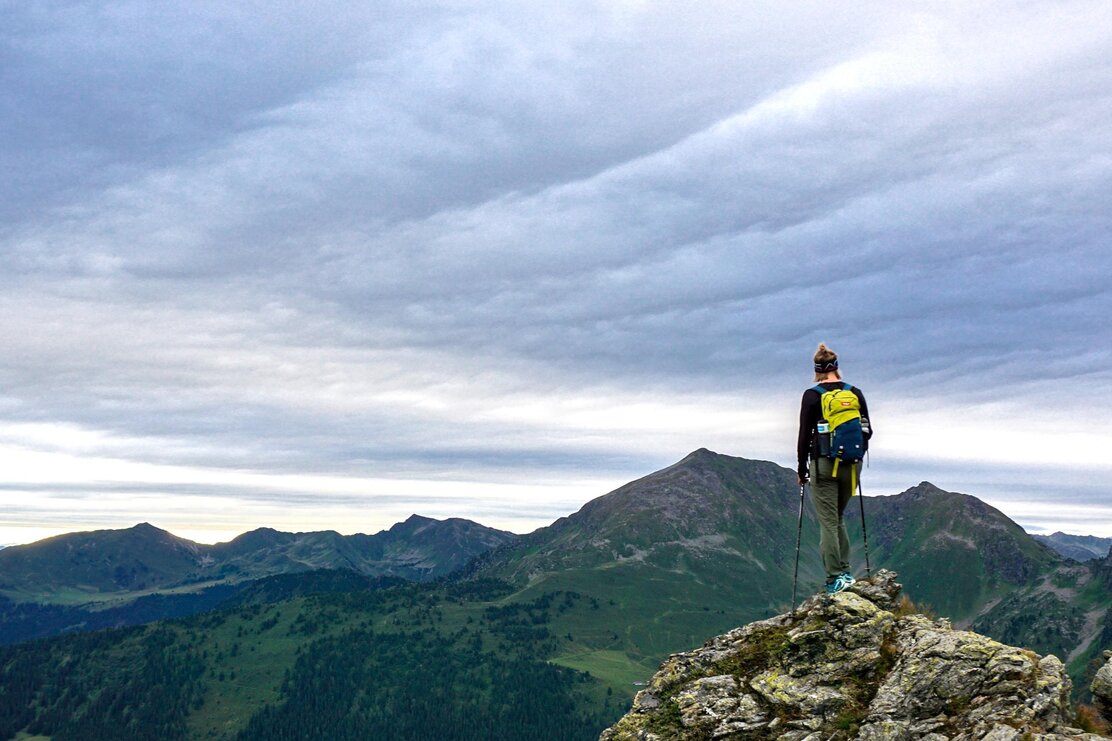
859 664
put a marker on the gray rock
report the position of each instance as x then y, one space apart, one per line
798 736
718 705
882 589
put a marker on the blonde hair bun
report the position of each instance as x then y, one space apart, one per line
826 361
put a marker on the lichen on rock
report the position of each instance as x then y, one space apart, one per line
851 665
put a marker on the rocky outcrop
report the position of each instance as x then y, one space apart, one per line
858 664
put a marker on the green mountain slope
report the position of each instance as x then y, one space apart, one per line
954 553
25 621
1067 612
412 661
700 546
704 506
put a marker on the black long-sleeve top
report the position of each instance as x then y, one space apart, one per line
810 412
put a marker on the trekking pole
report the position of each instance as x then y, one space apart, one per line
798 538
864 532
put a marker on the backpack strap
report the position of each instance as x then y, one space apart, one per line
820 391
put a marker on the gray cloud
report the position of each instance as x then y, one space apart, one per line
426 240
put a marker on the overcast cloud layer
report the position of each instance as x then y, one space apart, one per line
312 265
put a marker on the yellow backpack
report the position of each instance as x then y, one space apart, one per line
841 411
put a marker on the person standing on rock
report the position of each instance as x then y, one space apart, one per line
832 484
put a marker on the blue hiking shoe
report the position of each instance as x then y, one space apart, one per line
833 587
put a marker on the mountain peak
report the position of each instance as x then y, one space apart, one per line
926 488
146 528
855 662
261 535
147 532
705 456
412 524
700 454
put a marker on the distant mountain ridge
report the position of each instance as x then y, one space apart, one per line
1078 547
144 558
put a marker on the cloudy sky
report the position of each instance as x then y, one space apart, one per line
321 265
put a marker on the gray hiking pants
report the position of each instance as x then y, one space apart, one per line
831 497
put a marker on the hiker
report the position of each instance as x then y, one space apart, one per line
832 480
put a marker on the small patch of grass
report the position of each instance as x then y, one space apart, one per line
1090 721
1064 579
906 607
848 722
667 721
615 668
759 652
